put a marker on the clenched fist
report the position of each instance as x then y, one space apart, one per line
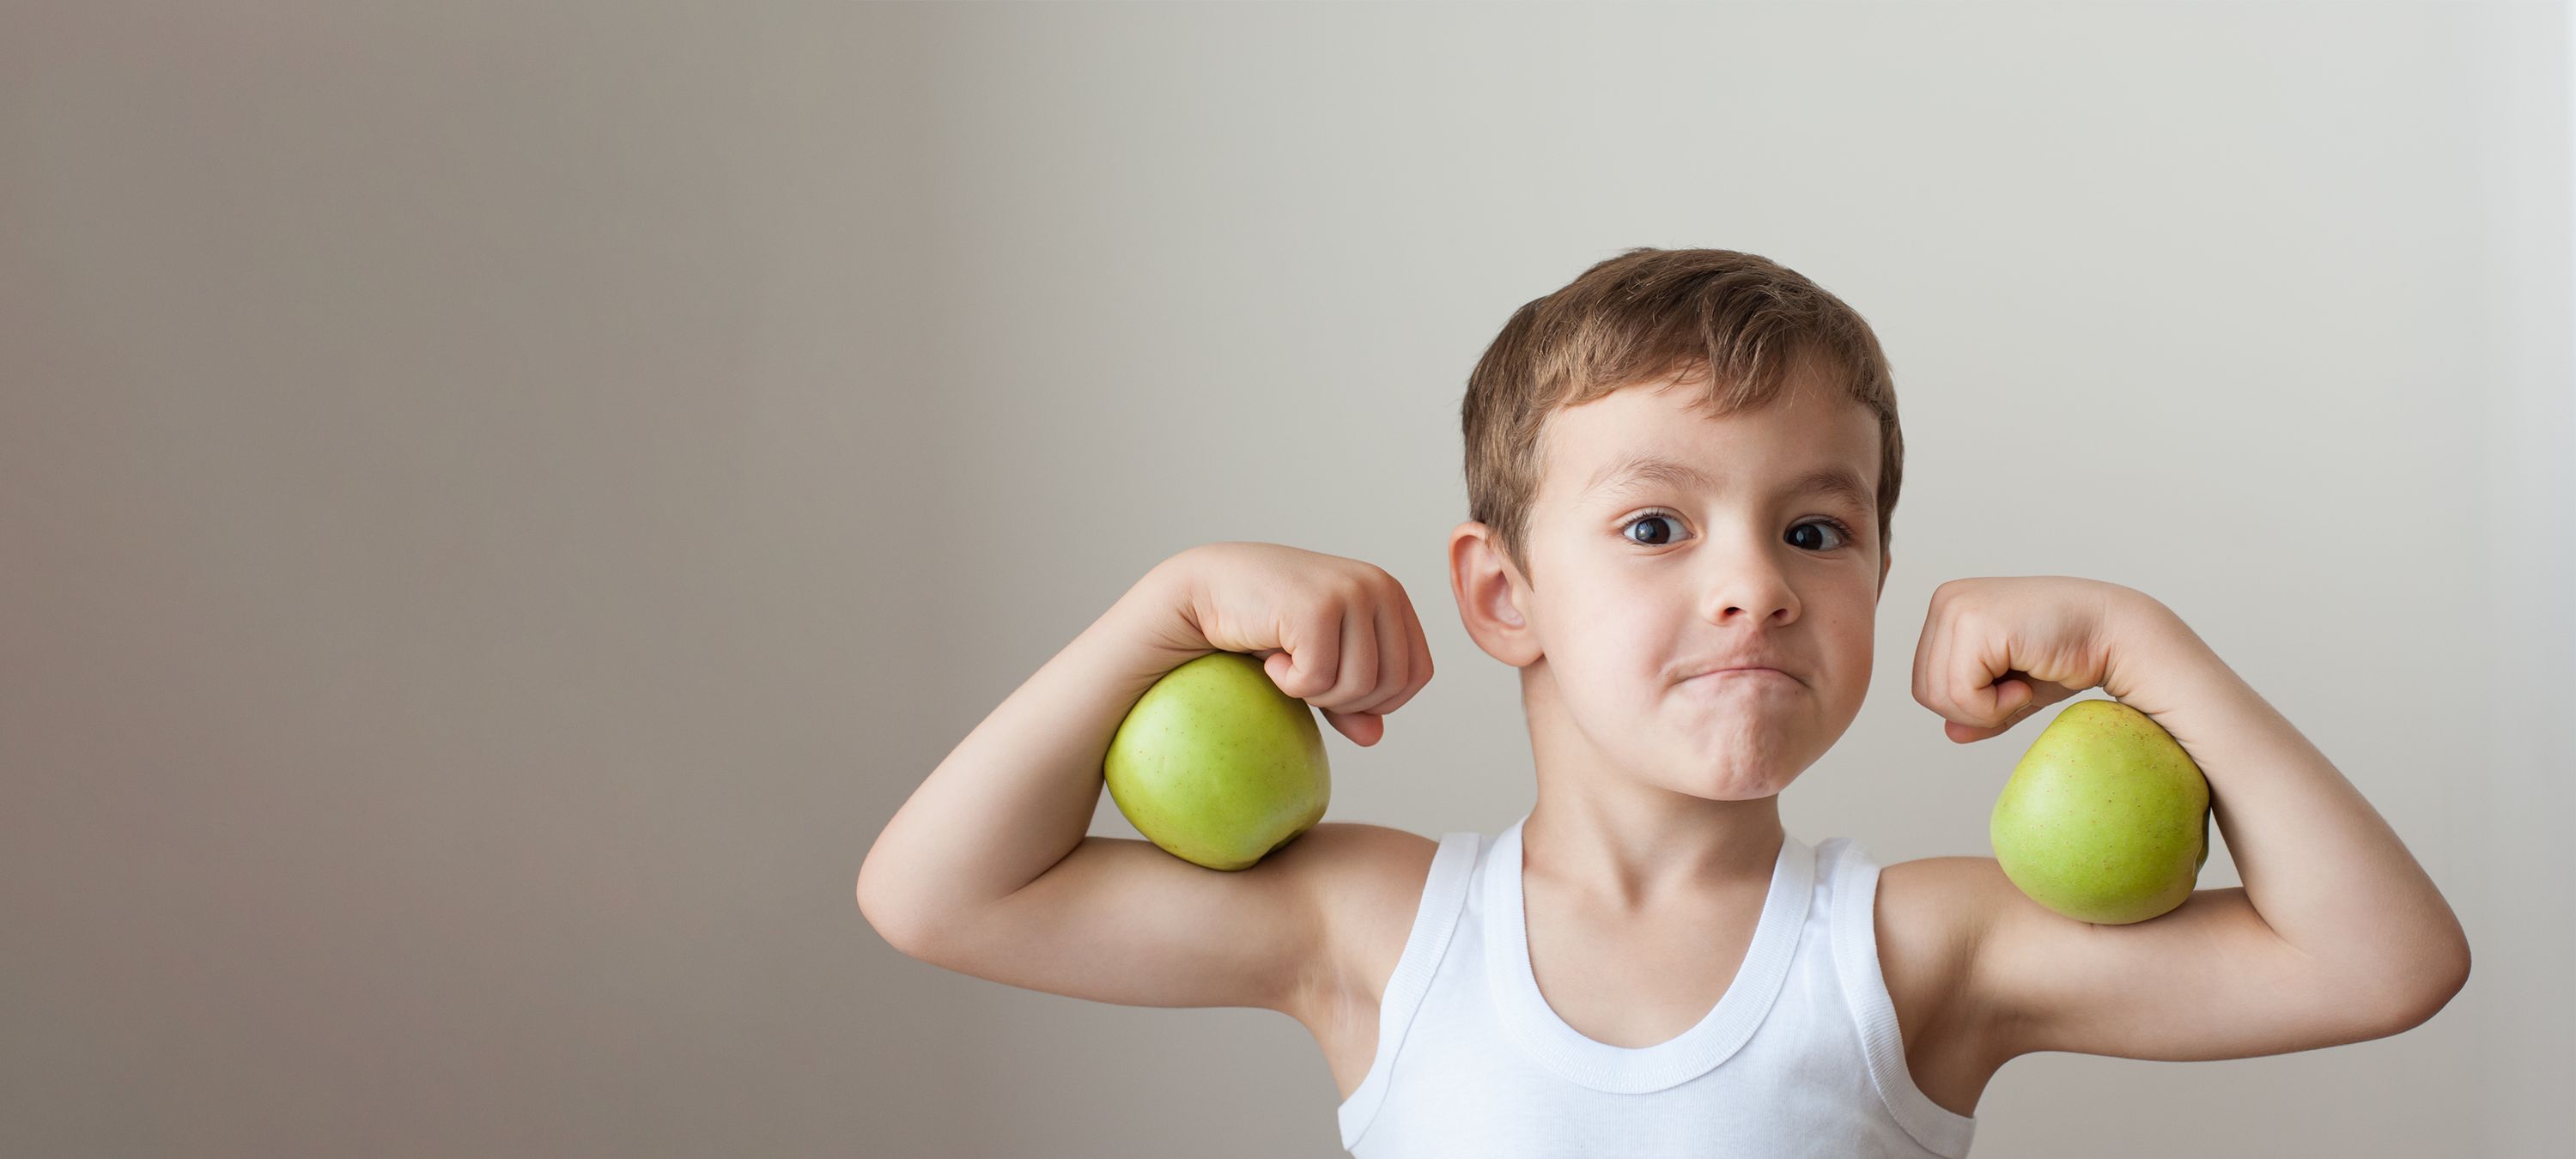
1336 633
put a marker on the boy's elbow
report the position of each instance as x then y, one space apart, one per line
2435 991
900 930
2456 981
2454 978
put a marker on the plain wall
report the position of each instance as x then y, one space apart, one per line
499 506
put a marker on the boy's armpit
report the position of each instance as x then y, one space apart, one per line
1926 923
1367 893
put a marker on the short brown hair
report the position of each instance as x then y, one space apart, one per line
1652 316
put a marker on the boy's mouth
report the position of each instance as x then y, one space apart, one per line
1748 672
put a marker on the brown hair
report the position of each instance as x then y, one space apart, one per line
1651 316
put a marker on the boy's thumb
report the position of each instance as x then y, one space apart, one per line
1282 668
1364 728
2010 696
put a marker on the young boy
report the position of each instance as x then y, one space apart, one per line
1681 469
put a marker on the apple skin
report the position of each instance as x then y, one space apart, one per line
2106 818
1217 766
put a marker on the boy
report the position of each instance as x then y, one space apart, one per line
1681 469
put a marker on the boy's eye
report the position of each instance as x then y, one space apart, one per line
1842 533
1651 517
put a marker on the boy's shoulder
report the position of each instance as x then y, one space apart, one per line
1929 914
1366 882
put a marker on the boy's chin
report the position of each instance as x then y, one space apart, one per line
1737 784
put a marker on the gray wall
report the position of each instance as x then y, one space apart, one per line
498 507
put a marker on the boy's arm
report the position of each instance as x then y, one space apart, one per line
2337 935
987 869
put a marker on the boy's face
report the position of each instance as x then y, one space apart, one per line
1644 583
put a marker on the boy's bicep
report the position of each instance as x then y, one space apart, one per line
1121 921
2208 980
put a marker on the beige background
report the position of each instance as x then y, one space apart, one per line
499 503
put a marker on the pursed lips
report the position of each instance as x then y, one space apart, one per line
1749 673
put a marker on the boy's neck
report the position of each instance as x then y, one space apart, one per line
1635 847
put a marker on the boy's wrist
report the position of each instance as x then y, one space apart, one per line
1161 606
2152 648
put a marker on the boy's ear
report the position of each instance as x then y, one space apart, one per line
1491 595
1886 559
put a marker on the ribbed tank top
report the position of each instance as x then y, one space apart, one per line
1799 1057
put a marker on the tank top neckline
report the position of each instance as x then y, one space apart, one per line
1642 1069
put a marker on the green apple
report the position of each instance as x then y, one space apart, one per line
1217 765
2106 818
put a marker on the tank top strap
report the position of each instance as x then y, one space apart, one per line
1444 895
1854 875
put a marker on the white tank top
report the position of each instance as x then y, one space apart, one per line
1800 1057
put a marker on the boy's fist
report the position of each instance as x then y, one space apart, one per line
1996 649
1336 633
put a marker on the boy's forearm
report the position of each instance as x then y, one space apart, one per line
2321 866
1017 795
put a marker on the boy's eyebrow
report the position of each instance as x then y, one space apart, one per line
1638 472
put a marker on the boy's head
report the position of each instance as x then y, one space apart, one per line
1610 587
